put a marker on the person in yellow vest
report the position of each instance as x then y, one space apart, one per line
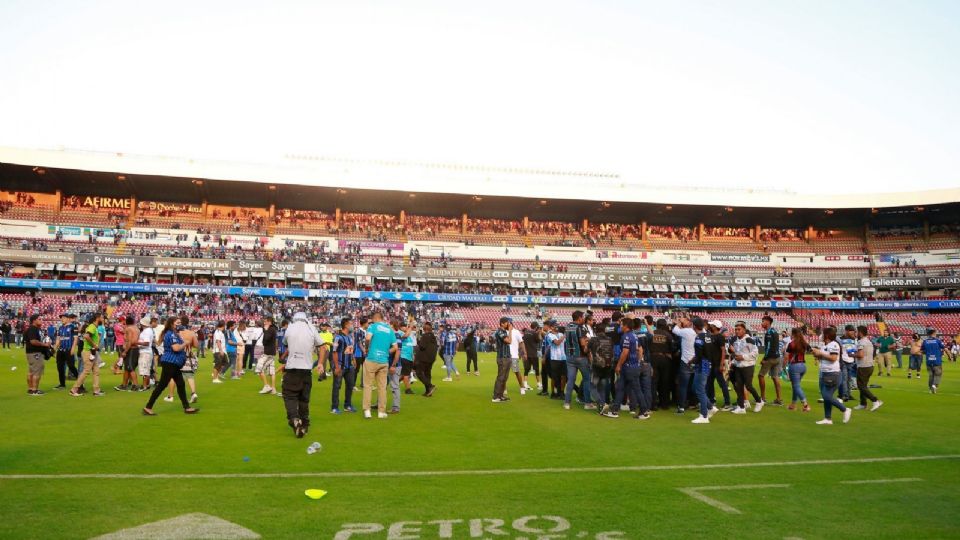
326 339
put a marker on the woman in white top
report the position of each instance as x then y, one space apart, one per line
829 356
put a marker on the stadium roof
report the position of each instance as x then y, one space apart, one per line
301 170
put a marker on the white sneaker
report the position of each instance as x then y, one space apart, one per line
382 415
739 410
265 390
860 407
168 399
700 420
447 379
216 381
759 406
712 412
933 389
193 398
826 421
624 408
366 413
523 391
876 405
566 406
846 415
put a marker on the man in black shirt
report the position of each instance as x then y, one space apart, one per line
502 340
424 357
37 349
532 340
664 371
266 363
715 350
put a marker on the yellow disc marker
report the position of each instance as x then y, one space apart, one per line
315 493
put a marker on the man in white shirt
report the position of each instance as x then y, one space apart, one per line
744 351
220 360
302 341
687 335
251 339
516 352
145 358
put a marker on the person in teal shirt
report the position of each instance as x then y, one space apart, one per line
407 344
381 345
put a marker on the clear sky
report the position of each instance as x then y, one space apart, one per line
808 95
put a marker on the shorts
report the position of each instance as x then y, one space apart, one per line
515 365
771 366
406 367
35 363
220 361
187 375
145 363
131 359
265 365
531 363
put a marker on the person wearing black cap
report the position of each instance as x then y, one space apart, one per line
38 349
502 338
662 345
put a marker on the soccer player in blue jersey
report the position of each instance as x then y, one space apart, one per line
66 347
343 369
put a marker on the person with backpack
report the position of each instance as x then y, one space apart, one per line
600 354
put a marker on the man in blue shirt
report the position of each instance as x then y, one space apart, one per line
343 369
628 373
66 347
932 349
381 345
360 349
449 340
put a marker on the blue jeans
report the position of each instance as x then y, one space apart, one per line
899 356
628 385
646 387
915 360
600 383
573 366
828 387
848 377
796 372
451 368
232 363
717 376
700 388
394 382
348 379
684 376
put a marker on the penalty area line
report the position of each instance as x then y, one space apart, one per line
473 472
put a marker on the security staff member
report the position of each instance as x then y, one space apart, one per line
661 353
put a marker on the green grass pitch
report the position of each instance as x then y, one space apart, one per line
525 469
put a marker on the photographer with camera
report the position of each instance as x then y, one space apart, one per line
39 351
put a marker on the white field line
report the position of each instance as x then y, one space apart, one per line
882 481
695 492
471 472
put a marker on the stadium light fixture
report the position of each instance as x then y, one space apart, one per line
272 187
477 198
668 207
828 212
121 177
789 210
341 191
40 170
543 203
413 195
729 209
